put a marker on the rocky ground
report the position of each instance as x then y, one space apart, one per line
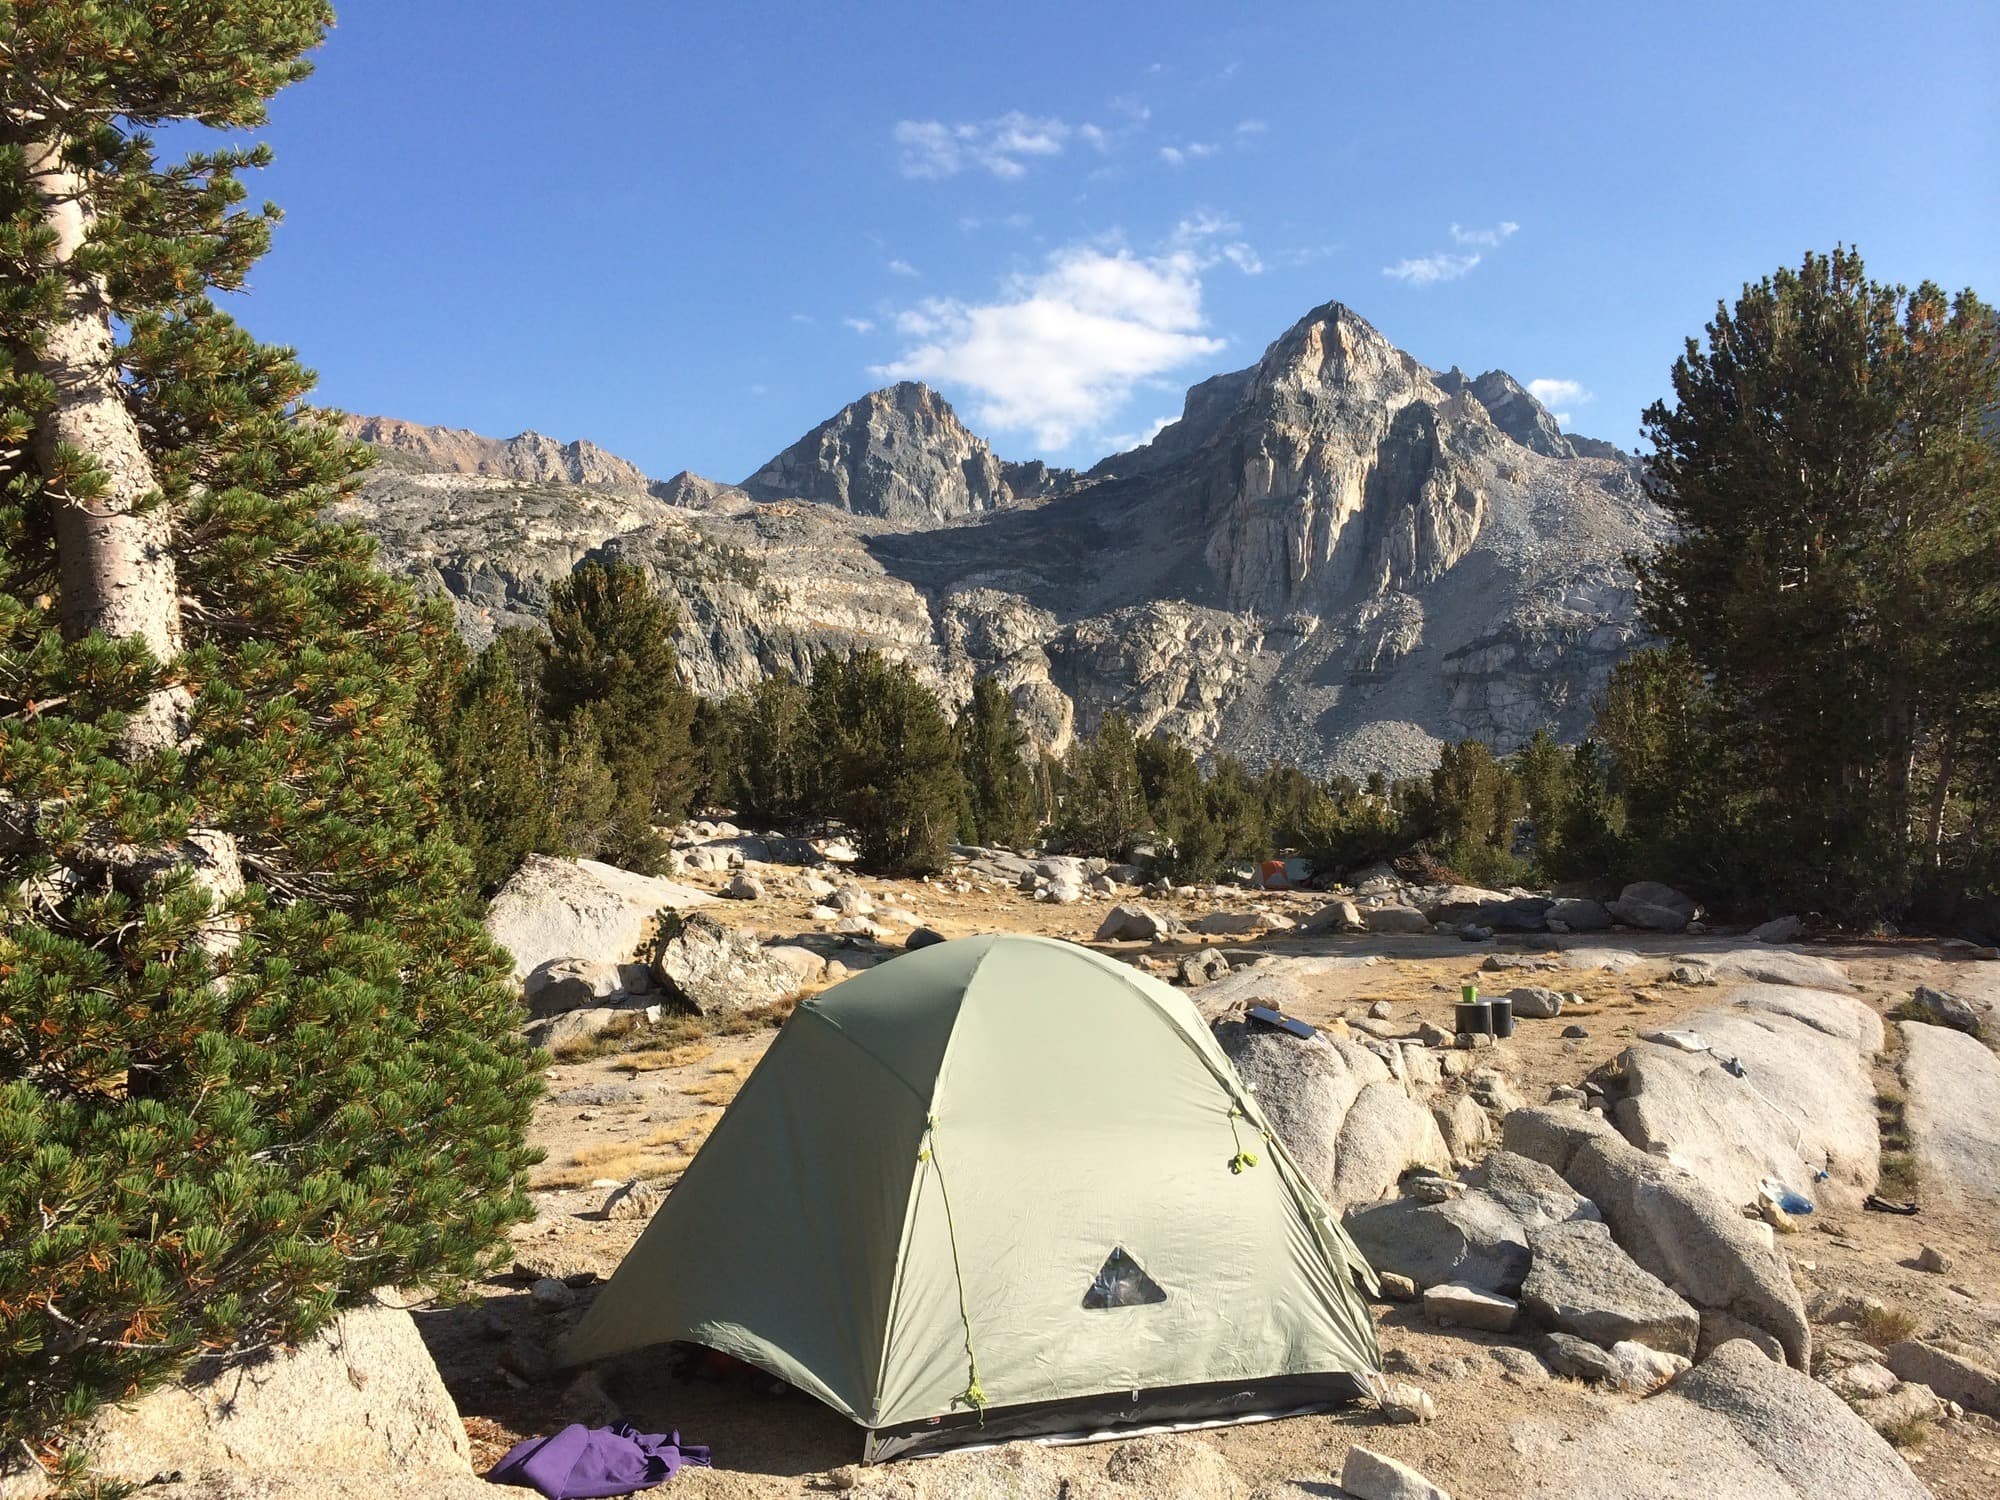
636 1105
1892 1321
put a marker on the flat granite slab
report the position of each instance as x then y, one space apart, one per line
1952 1082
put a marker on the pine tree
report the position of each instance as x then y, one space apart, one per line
1188 843
611 656
256 1053
778 773
1542 767
1833 568
1470 806
889 766
992 755
493 773
1103 804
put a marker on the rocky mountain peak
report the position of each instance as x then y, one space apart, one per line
528 458
900 453
1513 410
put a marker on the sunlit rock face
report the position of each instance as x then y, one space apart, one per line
1335 557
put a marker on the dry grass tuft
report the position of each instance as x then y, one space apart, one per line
655 1059
718 1091
1897 1177
613 1038
1888 1324
685 1133
1908 1433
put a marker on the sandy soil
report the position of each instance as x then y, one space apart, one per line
642 1106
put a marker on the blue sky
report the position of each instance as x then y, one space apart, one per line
691 232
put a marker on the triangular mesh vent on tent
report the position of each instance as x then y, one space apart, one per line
1122 1283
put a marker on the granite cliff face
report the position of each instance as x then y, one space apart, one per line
1335 556
528 457
900 453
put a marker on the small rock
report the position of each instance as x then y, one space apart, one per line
1930 1258
922 937
1777 930
1202 968
1896 1410
1494 1091
1456 1305
1368 1475
637 1199
1472 1041
1396 1288
1518 1366
1692 974
1404 1404
1396 919
1132 923
1534 1002
550 1296
1868 1378
1575 1033
1625 1366
1500 962
852 901
1562 1093
1940 1008
1381 1010
1429 1189
744 887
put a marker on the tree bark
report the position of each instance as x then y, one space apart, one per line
117 566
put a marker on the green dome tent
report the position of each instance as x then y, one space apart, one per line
996 1188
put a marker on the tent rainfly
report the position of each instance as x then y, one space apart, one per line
998 1188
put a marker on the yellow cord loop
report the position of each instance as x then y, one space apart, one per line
974 1395
1242 1158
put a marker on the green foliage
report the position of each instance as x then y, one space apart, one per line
221 1116
1468 811
1353 826
1188 843
1542 770
1828 464
888 761
611 678
1103 805
492 771
993 758
760 752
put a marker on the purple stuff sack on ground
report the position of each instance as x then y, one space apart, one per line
580 1462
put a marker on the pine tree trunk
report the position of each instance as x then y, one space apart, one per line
117 569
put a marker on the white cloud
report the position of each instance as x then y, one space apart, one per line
1001 146
1176 156
1243 258
1247 128
1424 270
1553 392
1490 238
972 222
1124 442
806 318
901 267
1427 270
860 325
1061 349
